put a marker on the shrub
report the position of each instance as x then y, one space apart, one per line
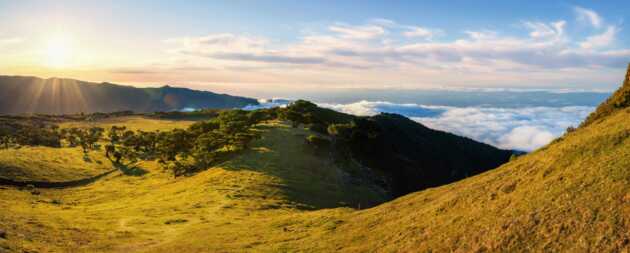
319 128
318 142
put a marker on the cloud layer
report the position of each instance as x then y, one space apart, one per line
377 46
524 129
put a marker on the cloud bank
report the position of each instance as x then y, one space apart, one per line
524 129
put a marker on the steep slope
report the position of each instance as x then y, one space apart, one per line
620 99
405 155
417 157
66 96
570 196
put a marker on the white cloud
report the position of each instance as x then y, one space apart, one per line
590 16
600 40
525 128
377 53
422 32
358 32
526 138
541 30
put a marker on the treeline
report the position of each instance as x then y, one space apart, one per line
182 151
36 133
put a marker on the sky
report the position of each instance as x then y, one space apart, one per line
278 48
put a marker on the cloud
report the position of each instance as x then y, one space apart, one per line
525 128
587 15
600 40
541 30
526 138
383 52
366 108
422 32
232 47
358 32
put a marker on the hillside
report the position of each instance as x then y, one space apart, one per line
20 94
398 153
570 196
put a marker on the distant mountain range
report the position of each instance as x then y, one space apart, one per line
21 94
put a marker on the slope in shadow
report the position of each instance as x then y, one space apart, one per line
308 180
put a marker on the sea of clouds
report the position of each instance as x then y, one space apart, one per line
524 128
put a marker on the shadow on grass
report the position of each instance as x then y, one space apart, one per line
309 181
130 169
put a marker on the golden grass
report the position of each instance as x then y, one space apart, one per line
571 196
257 201
132 123
50 164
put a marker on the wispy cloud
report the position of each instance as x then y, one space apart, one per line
588 15
358 32
422 32
600 40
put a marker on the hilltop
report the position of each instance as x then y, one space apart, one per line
21 94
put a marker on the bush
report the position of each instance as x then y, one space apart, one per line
318 142
319 128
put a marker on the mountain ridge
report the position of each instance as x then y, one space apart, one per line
28 94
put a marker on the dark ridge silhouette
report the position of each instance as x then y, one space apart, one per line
26 95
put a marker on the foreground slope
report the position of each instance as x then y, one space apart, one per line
20 94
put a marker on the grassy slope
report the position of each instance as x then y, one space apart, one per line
571 196
67 164
259 200
50 165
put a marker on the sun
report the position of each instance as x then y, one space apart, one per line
59 51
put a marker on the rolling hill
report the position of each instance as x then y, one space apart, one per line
19 95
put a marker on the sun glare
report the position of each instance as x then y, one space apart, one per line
59 51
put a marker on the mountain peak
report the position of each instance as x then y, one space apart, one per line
619 100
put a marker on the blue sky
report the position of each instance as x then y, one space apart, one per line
246 47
